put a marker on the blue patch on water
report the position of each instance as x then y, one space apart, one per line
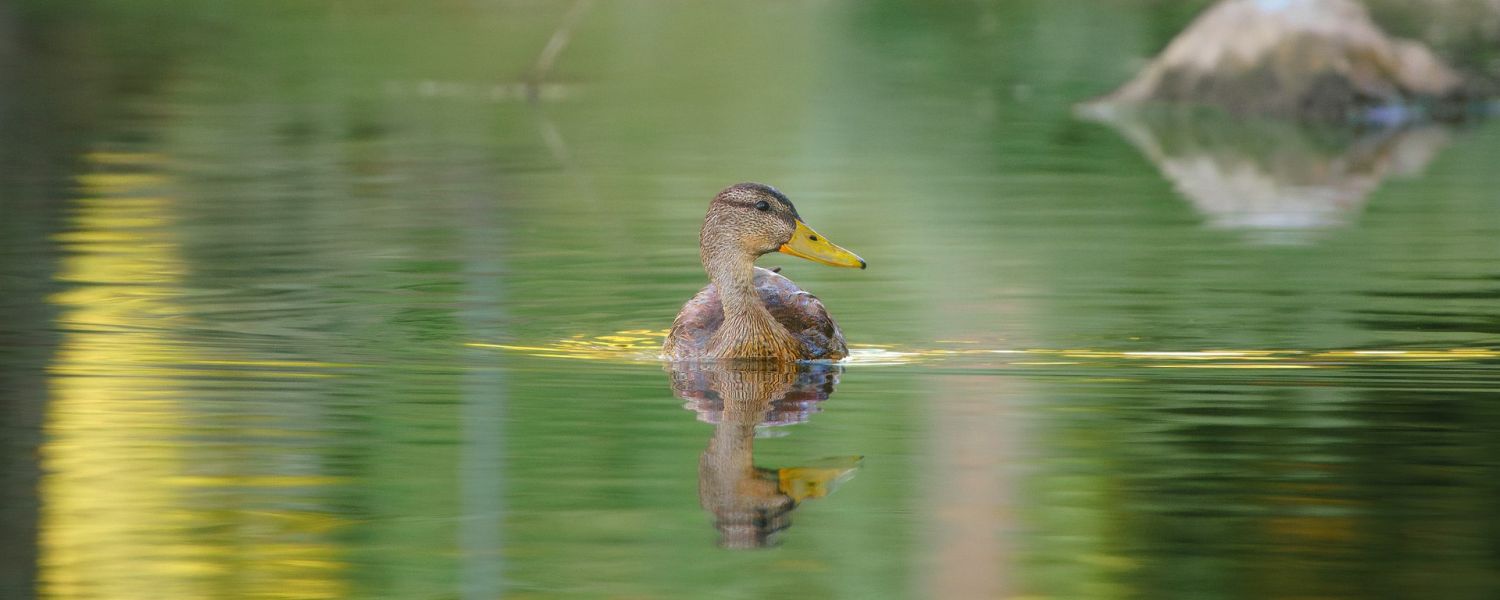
1391 115
1272 5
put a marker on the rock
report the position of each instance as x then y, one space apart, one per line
1307 59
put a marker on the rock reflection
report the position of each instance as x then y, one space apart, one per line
752 505
1279 180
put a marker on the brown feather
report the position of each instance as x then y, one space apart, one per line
800 316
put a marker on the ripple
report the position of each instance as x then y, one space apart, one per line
643 346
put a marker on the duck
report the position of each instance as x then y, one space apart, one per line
747 312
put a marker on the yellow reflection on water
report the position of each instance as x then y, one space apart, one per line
632 345
130 507
644 345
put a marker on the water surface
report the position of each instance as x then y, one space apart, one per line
324 300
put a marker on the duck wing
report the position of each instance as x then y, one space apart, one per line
695 324
801 313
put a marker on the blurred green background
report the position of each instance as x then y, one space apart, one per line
259 258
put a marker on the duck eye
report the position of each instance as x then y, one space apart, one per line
762 205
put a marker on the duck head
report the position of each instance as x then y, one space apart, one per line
748 220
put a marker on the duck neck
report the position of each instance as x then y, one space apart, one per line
734 276
749 330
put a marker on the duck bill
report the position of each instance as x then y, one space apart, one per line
812 246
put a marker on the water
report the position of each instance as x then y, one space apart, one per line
308 300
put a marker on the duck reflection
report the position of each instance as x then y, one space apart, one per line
751 505
1279 181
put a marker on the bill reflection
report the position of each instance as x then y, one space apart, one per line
752 505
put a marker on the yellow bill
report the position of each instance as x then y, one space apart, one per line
817 481
812 246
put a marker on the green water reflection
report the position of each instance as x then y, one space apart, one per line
341 300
